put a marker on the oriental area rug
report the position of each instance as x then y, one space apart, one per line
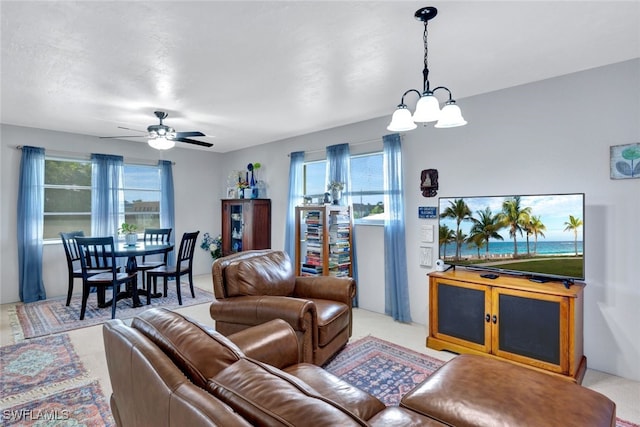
383 369
52 316
43 382
388 371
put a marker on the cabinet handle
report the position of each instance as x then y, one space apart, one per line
487 317
495 319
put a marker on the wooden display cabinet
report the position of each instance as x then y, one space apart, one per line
246 225
539 325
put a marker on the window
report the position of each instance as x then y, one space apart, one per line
67 192
367 186
142 196
314 179
67 196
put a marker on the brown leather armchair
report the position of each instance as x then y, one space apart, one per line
254 287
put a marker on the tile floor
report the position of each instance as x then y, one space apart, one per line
90 348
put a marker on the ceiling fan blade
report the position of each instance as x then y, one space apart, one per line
189 134
123 136
135 130
193 141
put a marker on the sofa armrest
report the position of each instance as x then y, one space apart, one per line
255 310
341 289
274 343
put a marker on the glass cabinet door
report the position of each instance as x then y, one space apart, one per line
237 227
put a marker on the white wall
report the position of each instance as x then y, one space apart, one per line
545 137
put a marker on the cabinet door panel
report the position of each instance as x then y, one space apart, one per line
531 328
461 312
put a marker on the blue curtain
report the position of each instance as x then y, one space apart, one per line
296 161
395 259
31 224
167 204
106 183
339 169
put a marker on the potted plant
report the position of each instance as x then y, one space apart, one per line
130 233
212 245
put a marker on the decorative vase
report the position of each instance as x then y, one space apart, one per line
336 195
131 239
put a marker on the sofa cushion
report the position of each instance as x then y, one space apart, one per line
333 388
269 274
266 396
199 351
333 317
148 388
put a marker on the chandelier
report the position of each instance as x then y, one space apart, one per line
428 106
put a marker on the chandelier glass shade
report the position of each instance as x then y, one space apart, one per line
428 107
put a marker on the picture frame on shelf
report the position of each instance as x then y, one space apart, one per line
232 193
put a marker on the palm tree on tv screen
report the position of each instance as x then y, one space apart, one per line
485 227
458 210
572 225
446 236
536 227
515 217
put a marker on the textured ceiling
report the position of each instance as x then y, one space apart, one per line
248 73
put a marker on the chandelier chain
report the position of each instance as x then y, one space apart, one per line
425 71
426 47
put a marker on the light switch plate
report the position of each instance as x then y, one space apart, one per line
426 256
426 233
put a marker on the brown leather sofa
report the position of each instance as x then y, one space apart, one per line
253 287
167 370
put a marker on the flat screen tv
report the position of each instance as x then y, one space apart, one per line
540 236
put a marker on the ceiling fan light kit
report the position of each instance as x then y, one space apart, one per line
428 107
161 143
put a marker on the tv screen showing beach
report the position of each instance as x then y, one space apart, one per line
538 235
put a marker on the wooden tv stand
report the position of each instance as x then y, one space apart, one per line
539 325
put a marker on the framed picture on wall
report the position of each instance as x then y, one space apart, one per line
625 161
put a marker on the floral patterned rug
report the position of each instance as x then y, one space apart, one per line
51 316
43 382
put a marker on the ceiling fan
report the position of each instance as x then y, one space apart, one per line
163 137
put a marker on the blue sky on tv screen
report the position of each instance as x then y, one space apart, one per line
553 210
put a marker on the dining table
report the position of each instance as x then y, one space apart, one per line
131 252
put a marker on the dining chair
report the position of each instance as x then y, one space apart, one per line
98 253
184 265
154 236
72 254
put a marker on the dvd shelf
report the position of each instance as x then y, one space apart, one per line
323 240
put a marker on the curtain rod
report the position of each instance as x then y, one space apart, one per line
85 156
365 141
